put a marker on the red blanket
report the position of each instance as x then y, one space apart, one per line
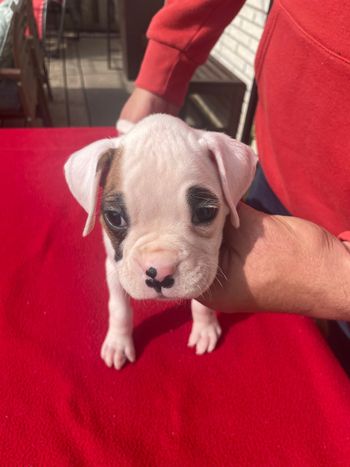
271 394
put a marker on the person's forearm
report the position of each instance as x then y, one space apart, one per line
315 274
282 264
181 36
142 103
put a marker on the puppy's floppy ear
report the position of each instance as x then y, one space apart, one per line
84 171
236 164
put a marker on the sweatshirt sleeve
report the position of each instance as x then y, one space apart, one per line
345 236
181 36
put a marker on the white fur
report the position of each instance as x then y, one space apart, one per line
161 158
82 179
118 345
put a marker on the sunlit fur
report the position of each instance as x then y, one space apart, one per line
152 169
155 174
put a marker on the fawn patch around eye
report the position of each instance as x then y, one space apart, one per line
116 220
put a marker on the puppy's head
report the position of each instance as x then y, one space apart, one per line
166 191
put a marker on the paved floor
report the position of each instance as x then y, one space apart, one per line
86 92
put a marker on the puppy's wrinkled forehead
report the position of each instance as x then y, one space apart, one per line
158 167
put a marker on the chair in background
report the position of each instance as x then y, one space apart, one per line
37 48
22 92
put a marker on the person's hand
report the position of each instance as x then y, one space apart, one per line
277 263
347 245
142 103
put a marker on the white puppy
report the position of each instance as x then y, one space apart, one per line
167 190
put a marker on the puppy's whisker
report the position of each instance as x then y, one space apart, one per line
220 271
207 293
219 282
220 276
199 290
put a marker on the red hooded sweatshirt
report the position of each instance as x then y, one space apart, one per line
303 74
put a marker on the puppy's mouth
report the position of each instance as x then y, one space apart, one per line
162 297
160 286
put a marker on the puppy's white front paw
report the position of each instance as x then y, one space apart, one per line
117 349
204 336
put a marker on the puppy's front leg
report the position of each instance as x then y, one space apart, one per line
118 345
205 329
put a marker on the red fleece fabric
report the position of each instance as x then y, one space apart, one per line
302 68
345 236
271 394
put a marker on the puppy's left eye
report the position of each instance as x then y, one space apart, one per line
114 219
204 215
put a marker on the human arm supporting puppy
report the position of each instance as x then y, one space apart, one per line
180 36
282 264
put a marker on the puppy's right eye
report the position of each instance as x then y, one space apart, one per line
115 220
203 203
204 215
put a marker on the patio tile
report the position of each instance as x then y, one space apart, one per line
86 92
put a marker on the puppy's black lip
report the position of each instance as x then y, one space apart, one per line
149 283
167 282
154 284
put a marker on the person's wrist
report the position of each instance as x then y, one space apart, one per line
281 264
281 257
347 245
273 272
142 103
313 279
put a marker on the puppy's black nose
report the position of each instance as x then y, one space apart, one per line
151 272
